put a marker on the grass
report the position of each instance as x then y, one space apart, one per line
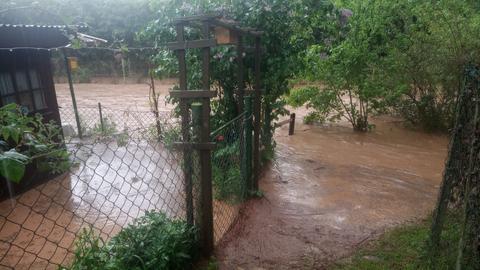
405 248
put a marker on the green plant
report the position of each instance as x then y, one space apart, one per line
150 242
289 27
170 135
28 140
405 57
227 178
106 128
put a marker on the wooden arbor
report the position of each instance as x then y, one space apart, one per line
225 33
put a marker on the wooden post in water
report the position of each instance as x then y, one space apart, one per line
291 128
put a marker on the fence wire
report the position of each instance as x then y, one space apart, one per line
121 169
229 184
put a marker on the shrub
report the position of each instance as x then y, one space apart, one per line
151 242
227 178
27 140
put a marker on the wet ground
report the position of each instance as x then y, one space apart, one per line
330 190
113 182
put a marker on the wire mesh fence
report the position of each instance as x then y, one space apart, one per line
230 186
122 167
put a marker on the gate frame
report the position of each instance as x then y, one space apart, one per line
203 144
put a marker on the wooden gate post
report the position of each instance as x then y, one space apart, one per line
206 230
185 115
248 143
257 108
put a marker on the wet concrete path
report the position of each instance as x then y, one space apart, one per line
330 190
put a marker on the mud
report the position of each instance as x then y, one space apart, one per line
330 190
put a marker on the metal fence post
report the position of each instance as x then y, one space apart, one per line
248 124
72 94
101 118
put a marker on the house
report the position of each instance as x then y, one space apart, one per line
26 76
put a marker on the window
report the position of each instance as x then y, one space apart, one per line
7 91
24 88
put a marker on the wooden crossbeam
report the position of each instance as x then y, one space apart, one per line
193 93
192 44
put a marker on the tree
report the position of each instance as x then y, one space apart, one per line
282 44
403 57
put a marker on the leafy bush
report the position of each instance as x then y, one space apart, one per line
28 140
151 242
406 57
289 26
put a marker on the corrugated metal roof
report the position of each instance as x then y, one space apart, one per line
34 36
41 26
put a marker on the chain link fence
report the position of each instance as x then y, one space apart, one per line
230 184
122 167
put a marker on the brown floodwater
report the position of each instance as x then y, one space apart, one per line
330 190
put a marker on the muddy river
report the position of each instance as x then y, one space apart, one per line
330 190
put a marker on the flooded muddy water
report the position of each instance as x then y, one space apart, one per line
114 96
331 189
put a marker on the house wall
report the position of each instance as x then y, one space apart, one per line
25 61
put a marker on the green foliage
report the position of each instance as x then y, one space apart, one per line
12 165
227 178
404 57
106 128
170 134
404 248
28 140
151 242
283 42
